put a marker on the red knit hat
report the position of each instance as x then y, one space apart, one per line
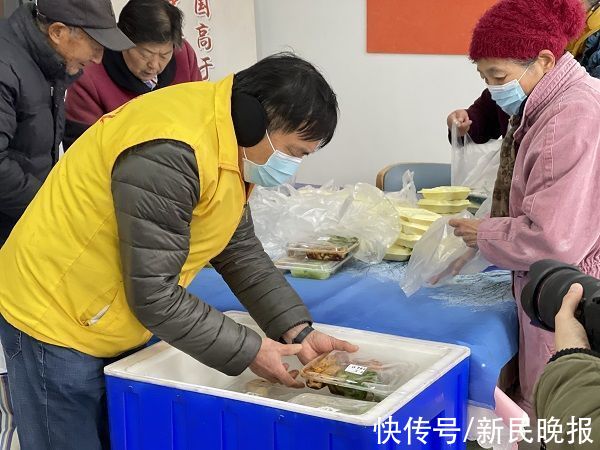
521 29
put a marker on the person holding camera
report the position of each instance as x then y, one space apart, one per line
569 385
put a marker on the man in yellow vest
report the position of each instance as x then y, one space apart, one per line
139 204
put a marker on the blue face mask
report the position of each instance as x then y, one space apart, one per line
279 168
509 96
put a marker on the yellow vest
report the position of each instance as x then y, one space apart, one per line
592 26
60 269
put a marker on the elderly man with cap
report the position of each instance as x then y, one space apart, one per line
42 49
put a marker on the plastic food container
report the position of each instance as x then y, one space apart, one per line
413 228
444 206
303 267
324 248
357 376
259 387
333 404
407 240
418 216
446 193
398 253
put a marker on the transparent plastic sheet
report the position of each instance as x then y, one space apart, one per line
407 196
286 214
440 255
474 165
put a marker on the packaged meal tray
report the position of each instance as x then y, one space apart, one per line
333 404
260 387
303 267
413 228
407 240
356 375
397 253
444 206
417 216
324 248
446 193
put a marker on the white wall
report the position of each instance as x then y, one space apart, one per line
393 107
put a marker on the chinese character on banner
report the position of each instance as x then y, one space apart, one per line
204 40
550 430
489 431
386 430
580 427
420 427
446 427
202 8
519 429
205 66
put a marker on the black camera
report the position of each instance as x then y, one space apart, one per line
549 282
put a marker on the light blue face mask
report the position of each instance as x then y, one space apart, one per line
509 96
279 168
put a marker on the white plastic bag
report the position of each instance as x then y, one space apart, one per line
439 255
474 165
286 214
407 196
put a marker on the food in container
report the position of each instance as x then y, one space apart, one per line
407 240
413 228
324 248
398 253
446 193
260 387
357 375
418 216
444 206
333 404
303 267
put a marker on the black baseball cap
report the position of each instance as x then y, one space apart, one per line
95 17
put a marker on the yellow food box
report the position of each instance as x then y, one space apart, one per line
418 215
444 206
407 240
446 193
397 253
413 228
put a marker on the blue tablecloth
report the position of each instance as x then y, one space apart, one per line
476 311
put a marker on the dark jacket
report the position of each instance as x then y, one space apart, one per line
155 189
32 89
104 87
489 121
569 387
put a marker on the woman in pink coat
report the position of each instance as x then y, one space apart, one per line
546 197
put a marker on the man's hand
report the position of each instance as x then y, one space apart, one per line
460 117
569 331
269 366
317 343
466 229
454 267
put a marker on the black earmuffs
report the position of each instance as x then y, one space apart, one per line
249 119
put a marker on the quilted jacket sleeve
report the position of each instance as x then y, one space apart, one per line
155 188
258 284
17 188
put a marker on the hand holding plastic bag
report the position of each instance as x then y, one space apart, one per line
474 165
439 255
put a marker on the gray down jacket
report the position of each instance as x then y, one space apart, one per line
155 188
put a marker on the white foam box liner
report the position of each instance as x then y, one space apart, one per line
166 366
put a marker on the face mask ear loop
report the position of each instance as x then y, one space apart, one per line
271 143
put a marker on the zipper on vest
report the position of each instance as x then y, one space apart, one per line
97 317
